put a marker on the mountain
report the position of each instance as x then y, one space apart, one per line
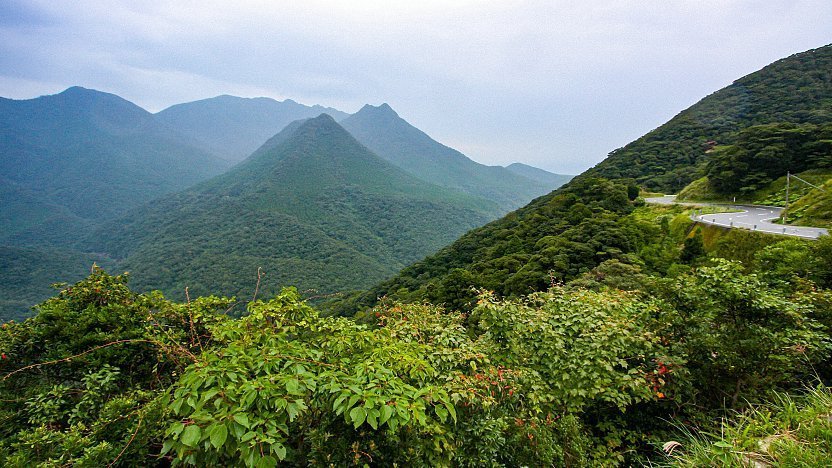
567 233
394 139
544 177
313 207
796 89
233 127
70 160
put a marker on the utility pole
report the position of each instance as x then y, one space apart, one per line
788 176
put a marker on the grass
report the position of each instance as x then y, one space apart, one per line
773 194
814 208
700 190
788 431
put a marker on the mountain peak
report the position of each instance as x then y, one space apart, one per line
79 92
382 110
320 122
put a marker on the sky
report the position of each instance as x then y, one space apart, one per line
555 84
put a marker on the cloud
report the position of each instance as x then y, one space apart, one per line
553 83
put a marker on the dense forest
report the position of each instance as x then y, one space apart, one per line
599 370
312 208
762 153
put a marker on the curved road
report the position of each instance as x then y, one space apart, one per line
752 217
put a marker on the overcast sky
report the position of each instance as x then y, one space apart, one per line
556 84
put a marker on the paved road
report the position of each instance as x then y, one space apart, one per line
752 217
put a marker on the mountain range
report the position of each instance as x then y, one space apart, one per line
391 137
90 176
80 157
314 208
232 127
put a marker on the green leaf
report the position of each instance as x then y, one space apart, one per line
191 435
386 412
167 446
292 409
176 429
242 419
441 412
266 462
372 418
218 435
451 409
358 415
293 387
280 450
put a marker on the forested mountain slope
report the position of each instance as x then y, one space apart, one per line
82 156
567 233
554 238
394 139
543 176
233 127
796 89
313 208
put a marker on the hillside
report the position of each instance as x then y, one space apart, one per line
75 158
568 233
557 237
542 176
814 208
28 274
232 127
394 139
797 89
313 208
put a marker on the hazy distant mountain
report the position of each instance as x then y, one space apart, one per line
81 156
314 208
233 127
535 173
394 139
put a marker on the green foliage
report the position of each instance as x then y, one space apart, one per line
792 90
762 153
814 208
793 259
789 431
557 237
567 377
694 248
739 335
82 378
